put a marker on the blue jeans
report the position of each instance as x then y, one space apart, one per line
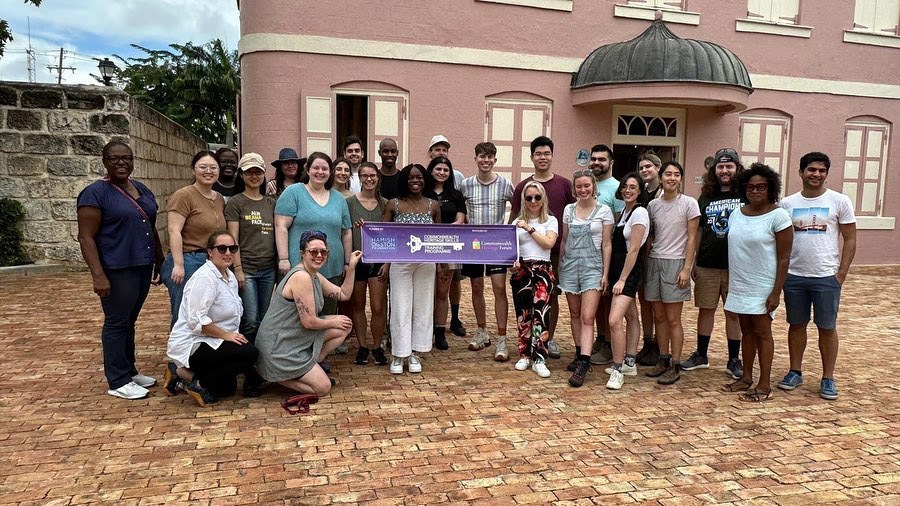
128 291
192 262
256 295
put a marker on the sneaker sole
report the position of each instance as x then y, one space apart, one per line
624 372
694 367
121 396
667 381
394 371
475 347
828 397
415 370
787 387
198 398
613 387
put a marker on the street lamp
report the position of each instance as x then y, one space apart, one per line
107 70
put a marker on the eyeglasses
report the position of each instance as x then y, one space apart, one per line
318 252
222 249
543 154
582 173
114 160
758 187
368 176
207 168
533 198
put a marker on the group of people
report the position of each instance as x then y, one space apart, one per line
266 279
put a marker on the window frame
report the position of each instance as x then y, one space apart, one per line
865 126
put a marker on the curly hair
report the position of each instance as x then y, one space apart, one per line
765 172
711 184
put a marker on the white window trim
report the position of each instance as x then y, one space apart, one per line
625 110
762 26
649 13
871 39
875 222
555 5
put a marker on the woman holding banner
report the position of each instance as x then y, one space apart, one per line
412 284
533 279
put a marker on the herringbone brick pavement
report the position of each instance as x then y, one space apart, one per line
466 430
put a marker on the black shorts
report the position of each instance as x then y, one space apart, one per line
482 270
365 271
632 282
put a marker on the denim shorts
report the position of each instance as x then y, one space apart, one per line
822 294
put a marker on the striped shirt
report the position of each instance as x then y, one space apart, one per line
487 202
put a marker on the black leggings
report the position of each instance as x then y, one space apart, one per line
218 369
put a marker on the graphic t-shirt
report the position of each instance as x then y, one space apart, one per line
816 250
256 231
714 214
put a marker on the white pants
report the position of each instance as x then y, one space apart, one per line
412 308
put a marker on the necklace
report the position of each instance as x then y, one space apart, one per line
416 207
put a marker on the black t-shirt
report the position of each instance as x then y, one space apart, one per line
225 191
389 185
714 214
451 203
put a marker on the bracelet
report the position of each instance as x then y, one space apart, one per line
283 260
238 266
531 231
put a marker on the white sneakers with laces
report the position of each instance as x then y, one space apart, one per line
523 364
414 364
541 369
130 391
144 381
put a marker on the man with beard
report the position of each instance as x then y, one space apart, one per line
387 150
718 198
355 155
228 182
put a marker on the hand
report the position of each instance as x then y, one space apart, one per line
359 223
284 266
384 272
239 275
355 258
177 274
772 301
684 278
235 337
101 286
840 277
694 275
342 322
523 225
515 267
603 286
618 287
156 279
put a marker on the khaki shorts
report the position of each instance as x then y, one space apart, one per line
661 282
709 286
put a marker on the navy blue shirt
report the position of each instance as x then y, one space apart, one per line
125 238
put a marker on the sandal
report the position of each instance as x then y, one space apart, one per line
755 395
737 386
299 404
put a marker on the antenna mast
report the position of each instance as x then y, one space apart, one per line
29 55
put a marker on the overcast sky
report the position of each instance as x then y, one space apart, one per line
99 28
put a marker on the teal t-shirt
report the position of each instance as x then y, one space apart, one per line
332 218
606 194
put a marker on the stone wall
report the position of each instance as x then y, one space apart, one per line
51 137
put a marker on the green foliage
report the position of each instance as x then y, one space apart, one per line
11 216
5 34
195 85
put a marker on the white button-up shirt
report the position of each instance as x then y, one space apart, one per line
209 299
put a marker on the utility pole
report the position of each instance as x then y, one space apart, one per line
29 58
59 68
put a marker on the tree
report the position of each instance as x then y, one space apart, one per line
195 85
5 34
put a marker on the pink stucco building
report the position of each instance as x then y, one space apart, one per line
773 78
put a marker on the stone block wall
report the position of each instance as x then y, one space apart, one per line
51 137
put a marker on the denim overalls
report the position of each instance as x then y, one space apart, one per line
581 268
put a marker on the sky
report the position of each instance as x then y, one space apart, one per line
89 29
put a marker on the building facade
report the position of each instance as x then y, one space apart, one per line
773 78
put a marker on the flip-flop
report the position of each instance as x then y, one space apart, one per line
298 404
755 395
736 386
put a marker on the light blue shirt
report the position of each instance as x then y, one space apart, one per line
606 194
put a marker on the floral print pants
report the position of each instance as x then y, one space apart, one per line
532 285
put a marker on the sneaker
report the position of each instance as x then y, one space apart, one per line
616 380
378 356
171 381
342 349
523 364
130 391
672 374
397 366
573 364
626 370
649 354
541 369
790 381
500 354
581 371
440 342
603 355
735 368
658 370
457 328
362 356
414 364
200 394
481 341
144 381
695 361
828 389
553 349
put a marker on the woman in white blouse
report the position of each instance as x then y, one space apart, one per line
205 348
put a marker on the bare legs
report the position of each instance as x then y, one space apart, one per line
757 340
377 301
501 300
316 381
669 330
828 348
442 282
623 340
582 312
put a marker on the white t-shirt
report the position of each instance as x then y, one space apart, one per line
602 217
530 250
816 252
670 225
639 216
752 259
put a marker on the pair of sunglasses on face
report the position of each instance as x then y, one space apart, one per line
533 198
222 248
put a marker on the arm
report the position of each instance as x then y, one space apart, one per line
435 212
282 224
234 228
848 233
545 241
460 219
175 223
697 248
157 265
347 245
784 241
299 288
198 298
607 256
684 277
89 219
634 249
562 243
345 291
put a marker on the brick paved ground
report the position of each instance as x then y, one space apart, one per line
466 430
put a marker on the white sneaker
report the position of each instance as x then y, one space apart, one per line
130 390
481 340
616 380
144 381
501 355
415 365
541 369
523 364
627 370
397 366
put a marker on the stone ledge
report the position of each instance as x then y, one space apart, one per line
40 269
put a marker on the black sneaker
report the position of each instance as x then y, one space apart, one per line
171 382
581 370
378 356
457 328
200 394
735 368
649 354
695 361
572 365
362 356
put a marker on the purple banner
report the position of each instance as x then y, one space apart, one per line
453 244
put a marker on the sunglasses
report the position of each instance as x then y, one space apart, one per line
318 252
534 198
222 249
759 187
582 173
